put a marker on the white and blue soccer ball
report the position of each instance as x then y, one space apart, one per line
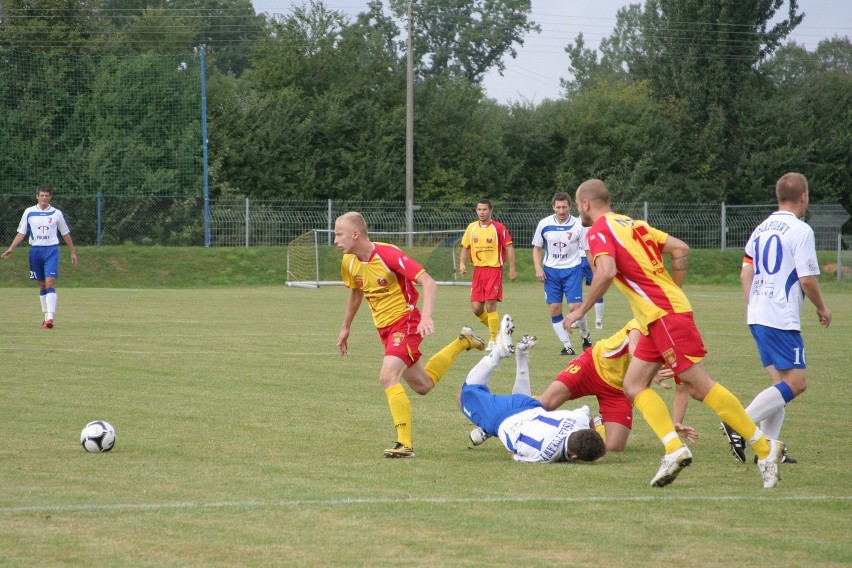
98 436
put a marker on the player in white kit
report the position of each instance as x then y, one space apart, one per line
779 269
43 224
559 245
526 429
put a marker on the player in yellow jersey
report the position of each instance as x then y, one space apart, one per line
599 372
386 276
630 253
488 244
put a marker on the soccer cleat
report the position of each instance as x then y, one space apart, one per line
478 436
504 337
587 342
567 351
597 421
671 465
526 343
47 324
736 442
473 340
575 325
769 468
399 451
785 458
599 324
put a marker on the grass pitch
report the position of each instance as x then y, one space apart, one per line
245 439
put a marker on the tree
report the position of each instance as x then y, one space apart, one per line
466 38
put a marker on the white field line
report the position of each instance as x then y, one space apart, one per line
265 503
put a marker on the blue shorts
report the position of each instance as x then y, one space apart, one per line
563 281
587 270
44 262
488 410
782 348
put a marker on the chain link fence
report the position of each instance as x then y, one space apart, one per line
179 221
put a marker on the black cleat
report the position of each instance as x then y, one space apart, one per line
735 441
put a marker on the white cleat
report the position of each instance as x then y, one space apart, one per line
526 343
770 467
492 345
599 324
504 337
671 465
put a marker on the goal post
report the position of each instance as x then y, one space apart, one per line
314 261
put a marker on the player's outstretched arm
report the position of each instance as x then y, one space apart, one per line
355 298
426 325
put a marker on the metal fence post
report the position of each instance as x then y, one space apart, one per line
99 237
329 222
645 211
839 257
724 227
248 222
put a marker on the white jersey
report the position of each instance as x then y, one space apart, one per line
43 227
564 244
782 250
536 435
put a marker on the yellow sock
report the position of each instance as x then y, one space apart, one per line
400 408
493 325
438 364
601 430
483 317
656 414
730 410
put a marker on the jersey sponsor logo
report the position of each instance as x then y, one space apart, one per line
398 338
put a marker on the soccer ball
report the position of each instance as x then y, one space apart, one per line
98 436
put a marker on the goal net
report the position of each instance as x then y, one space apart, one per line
314 261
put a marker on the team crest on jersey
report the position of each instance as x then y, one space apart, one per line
475 239
670 358
382 281
398 338
489 240
359 281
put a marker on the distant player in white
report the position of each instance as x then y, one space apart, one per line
779 269
43 224
526 429
559 245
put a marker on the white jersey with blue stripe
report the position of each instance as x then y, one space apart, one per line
782 250
564 244
538 435
43 227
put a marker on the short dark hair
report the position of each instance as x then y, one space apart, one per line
587 445
560 196
485 201
44 189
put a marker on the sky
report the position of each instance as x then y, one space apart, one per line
534 75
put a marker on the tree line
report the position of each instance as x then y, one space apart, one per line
686 100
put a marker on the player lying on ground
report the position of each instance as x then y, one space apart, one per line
529 431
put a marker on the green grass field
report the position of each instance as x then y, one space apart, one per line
245 439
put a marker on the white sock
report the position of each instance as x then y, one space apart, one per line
599 311
482 371
584 327
522 375
50 301
765 404
771 425
43 299
561 333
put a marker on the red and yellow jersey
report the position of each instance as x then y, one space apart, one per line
642 277
612 355
387 280
487 244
